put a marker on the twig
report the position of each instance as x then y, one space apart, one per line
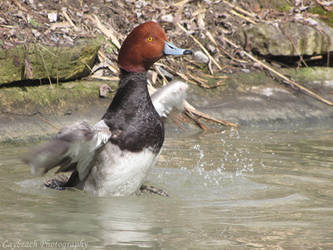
27 65
313 58
102 58
324 5
214 77
243 17
58 65
296 48
165 81
198 65
234 58
202 82
202 47
105 78
154 77
193 110
47 50
87 65
239 9
217 84
196 80
328 59
46 121
218 47
196 120
181 3
8 26
69 19
44 64
108 32
289 81
20 6
183 76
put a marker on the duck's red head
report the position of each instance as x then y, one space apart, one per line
146 44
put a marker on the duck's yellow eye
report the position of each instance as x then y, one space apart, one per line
150 39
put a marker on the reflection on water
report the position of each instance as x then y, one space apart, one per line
246 189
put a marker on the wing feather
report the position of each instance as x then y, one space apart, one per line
168 97
74 148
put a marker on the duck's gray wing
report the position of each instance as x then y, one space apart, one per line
73 149
169 96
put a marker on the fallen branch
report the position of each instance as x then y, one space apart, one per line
188 107
196 120
289 81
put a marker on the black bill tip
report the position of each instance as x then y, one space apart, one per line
187 52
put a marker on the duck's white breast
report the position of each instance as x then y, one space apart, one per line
119 173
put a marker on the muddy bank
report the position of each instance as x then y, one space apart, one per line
37 111
255 99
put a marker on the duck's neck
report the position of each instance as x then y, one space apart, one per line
126 76
131 117
132 95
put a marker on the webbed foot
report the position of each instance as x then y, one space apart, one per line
153 190
57 183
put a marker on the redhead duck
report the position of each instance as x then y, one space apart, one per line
113 156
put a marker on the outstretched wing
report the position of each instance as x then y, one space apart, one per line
74 148
168 97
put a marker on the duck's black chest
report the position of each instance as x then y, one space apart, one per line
138 132
132 118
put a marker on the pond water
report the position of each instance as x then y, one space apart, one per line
245 189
